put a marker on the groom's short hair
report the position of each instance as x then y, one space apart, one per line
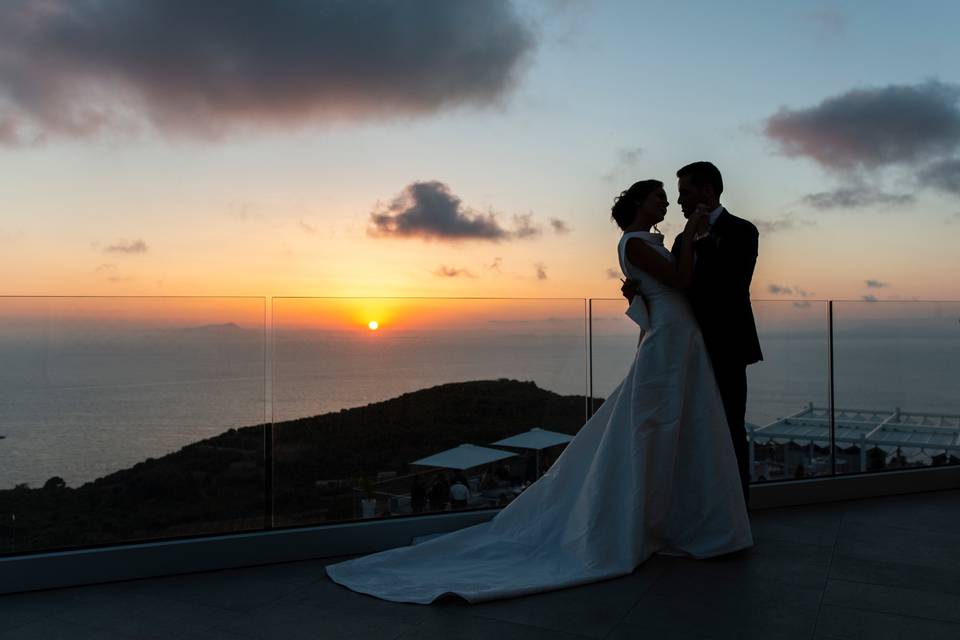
702 173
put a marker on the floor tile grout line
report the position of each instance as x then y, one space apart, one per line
639 598
885 525
898 615
895 586
91 627
466 612
826 581
199 627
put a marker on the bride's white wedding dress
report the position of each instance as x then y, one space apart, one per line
652 471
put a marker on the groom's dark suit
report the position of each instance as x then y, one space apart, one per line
720 297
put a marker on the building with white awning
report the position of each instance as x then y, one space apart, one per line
915 436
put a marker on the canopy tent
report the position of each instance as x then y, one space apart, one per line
534 439
466 456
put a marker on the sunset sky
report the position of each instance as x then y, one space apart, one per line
150 147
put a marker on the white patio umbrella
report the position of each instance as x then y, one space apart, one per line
466 456
537 439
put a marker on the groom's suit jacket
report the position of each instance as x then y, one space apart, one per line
720 292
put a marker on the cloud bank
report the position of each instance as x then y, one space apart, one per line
77 68
865 135
943 175
871 128
854 197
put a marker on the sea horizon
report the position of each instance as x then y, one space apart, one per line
81 409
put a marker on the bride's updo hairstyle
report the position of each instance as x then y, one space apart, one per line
625 205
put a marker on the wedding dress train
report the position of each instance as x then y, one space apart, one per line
653 470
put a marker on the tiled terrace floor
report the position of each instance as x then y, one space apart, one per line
879 568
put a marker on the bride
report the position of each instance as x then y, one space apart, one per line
653 471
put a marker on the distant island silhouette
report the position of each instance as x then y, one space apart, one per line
222 328
217 484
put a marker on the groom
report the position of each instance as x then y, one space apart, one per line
720 296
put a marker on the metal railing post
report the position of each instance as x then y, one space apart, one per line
589 358
269 366
830 391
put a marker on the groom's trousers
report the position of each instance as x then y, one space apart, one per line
732 380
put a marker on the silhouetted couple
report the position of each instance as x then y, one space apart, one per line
655 469
716 280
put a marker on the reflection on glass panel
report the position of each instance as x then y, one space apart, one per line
129 419
384 406
897 381
791 380
787 402
614 338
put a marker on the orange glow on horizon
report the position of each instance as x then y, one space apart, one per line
419 314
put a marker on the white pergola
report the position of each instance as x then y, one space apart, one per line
914 434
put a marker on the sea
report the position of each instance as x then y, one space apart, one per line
80 407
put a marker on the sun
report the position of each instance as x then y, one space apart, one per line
373 325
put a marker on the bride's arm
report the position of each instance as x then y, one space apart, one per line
678 275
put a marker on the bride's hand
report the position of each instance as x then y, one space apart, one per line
697 223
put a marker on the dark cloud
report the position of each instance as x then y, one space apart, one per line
875 127
452 272
784 223
429 210
541 271
627 158
870 298
828 24
136 246
9 236
943 174
307 228
75 68
495 265
524 226
782 290
613 274
631 156
802 304
111 273
559 226
876 284
853 197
